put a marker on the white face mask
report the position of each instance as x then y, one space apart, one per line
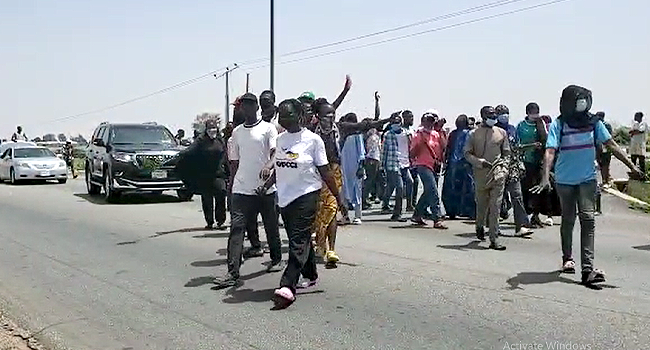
212 133
581 105
490 122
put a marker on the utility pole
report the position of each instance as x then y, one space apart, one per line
272 43
248 79
227 95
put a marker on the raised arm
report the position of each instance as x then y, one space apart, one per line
377 110
346 89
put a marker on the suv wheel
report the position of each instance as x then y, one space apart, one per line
184 195
91 187
109 193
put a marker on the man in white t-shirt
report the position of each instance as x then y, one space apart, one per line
251 150
638 140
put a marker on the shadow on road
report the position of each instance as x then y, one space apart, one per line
213 235
210 263
527 278
239 296
199 281
642 247
474 245
130 199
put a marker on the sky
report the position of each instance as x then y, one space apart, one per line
62 58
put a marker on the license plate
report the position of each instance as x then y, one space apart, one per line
159 174
45 173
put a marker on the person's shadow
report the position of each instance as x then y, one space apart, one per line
474 245
528 278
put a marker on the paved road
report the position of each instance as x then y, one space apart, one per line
136 276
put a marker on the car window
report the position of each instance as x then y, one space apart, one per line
140 134
34 153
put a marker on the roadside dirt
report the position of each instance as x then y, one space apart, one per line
14 338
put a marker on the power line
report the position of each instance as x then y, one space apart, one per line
438 29
158 92
467 11
365 36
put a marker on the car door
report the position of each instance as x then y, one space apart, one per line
4 161
97 151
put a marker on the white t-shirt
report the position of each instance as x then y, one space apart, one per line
403 148
251 146
296 161
638 141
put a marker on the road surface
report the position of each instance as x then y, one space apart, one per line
137 275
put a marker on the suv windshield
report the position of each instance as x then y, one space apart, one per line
141 134
33 153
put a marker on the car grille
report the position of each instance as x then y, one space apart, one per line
152 161
43 166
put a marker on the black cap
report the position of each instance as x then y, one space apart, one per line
248 97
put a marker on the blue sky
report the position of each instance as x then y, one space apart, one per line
61 58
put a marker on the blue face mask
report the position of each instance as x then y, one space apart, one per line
396 128
503 119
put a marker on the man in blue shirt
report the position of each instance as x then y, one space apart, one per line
572 141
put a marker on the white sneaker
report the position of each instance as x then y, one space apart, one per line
549 221
356 221
524 232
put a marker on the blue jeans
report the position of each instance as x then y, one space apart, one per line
395 183
430 198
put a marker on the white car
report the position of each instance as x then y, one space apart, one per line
24 161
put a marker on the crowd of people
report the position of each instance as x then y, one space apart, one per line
299 161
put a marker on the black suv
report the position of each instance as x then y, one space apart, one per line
133 158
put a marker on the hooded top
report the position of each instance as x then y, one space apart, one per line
568 114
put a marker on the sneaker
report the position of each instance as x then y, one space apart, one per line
480 233
253 252
397 218
226 281
306 284
410 209
569 266
220 226
356 221
417 220
592 277
497 246
276 266
378 201
283 298
331 257
524 232
549 221
209 227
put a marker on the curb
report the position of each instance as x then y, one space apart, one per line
626 197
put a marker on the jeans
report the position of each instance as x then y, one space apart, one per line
212 211
372 178
416 184
407 179
298 219
394 183
578 200
430 197
245 209
517 200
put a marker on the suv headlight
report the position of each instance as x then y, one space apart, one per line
123 157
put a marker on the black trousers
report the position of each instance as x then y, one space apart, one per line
370 185
243 213
299 218
213 212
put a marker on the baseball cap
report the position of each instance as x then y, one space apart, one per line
307 95
248 97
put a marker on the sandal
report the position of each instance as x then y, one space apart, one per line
439 225
593 277
569 266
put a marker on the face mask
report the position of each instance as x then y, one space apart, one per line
581 105
396 128
503 119
533 116
490 122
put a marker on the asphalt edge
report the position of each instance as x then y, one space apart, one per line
626 197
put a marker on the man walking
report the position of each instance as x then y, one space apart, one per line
256 139
487 149
572 139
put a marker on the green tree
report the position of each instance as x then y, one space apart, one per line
622 135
